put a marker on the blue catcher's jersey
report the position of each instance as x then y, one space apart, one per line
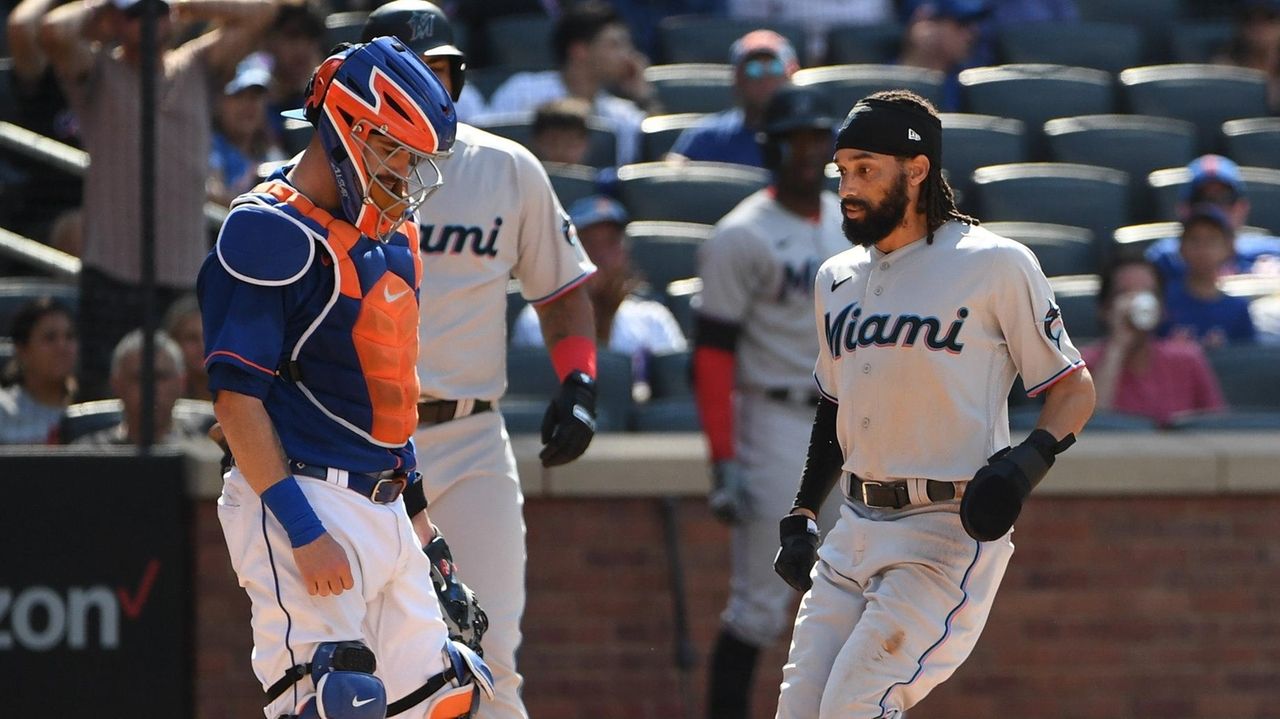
320 322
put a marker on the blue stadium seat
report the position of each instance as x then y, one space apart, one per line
532 383
88 417
706 38
1061 249
659 133
682 299
522 41
1206 95
1037 93
344 27
974 141
18 291
874 44
1253 141
1134 144
692 87
1199 41
515 305
1249 375
488 79
1133 240
1077 297
602 150
1096 198
846 84
665 251
669 375
571 182
690 192
1262 184
678 414
1100 45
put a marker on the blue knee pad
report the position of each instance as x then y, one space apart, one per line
347 695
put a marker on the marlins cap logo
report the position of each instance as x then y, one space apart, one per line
422 25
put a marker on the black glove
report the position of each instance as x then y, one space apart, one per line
728 498
799 552
570 421
993 500
467 622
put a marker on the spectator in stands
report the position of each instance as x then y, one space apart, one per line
182 324
560 132
40 106
1195 307
593 53
1216 180
95 48
817 17
1256 43
762 62
296 43
241 140
1136 372
625 323
126 384
941 35
40 380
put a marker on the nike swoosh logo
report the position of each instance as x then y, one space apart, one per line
837 283
356 702
386 292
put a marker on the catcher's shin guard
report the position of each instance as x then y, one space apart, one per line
454 693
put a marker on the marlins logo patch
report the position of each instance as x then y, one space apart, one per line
422 25
1053 325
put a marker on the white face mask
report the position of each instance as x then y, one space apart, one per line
1144 311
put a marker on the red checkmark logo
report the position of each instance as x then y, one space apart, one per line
132 605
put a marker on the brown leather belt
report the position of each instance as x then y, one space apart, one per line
437 411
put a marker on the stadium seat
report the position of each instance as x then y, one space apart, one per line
602 150
1100 45
1253 141
1133 240
1153 16
1262 185
6 352
1037 93
1135 144
1206 95
7 101
344 27
18 291
678 414
974 141
515 305
614 379
1230 420
88 417
691 192
488 79
669 375
1062 250
682 300
1096 198
1077 297
663 252
693 87
659 133
522 41
874 44
531 383
846 84
1199 41
707 38
1249 375
571 182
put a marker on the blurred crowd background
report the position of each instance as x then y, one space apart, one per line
1132 144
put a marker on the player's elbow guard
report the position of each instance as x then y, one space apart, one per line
993 500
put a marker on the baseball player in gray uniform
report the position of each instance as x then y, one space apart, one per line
753 365
923 326
495 217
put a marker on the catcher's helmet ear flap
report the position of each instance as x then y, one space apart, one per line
425 29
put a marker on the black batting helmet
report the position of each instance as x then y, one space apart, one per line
791 108
425 29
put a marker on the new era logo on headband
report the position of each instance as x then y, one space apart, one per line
913 135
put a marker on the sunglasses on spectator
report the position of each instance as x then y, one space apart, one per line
761 67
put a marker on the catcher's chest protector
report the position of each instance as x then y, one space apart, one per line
363 373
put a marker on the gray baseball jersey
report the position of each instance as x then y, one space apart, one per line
495 217
922 345
756 272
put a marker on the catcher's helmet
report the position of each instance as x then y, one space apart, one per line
792 108
380 87
425 29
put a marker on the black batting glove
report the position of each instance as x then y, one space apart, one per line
467 622
570 421
799 552
993 500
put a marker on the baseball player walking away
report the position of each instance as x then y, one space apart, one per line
309 305
496 217
753 364
923 326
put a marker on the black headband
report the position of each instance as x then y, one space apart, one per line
888 128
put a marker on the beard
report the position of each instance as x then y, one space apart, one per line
878 221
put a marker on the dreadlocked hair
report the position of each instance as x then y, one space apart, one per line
937 199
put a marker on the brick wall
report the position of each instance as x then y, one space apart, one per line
1115 607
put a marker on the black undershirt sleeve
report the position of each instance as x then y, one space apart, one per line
823 465
711 332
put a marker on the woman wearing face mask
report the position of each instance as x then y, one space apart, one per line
1134 371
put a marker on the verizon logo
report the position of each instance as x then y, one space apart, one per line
41 619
